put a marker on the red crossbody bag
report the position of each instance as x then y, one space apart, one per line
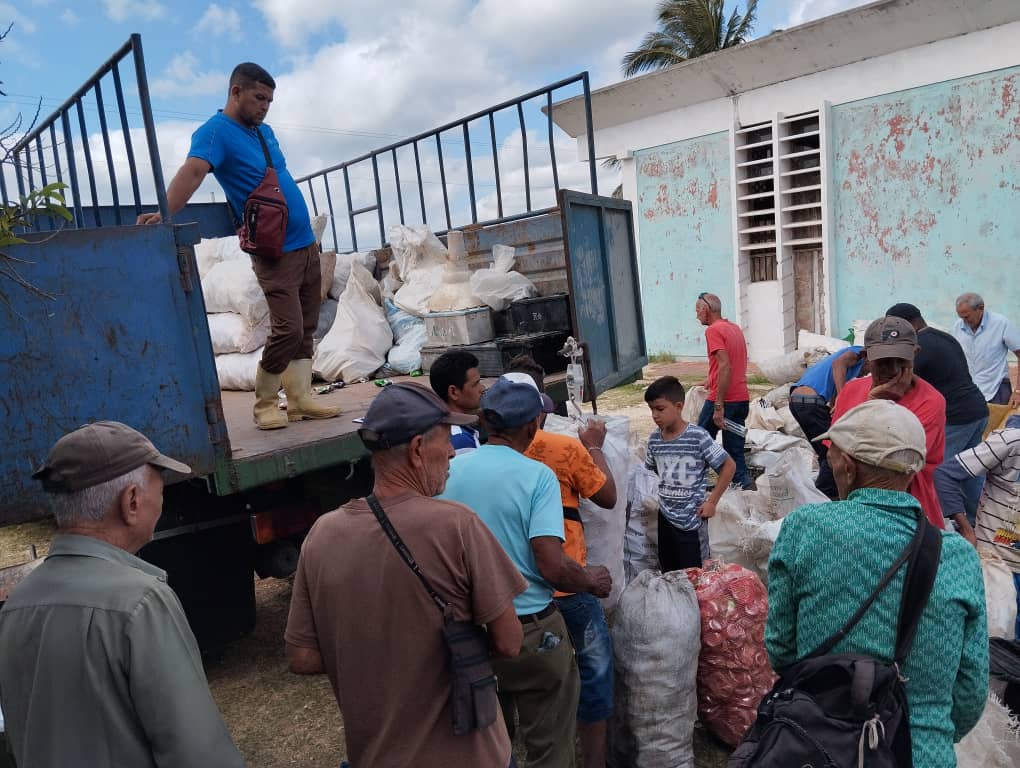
263 228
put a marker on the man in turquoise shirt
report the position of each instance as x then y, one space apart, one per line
829 557
519 500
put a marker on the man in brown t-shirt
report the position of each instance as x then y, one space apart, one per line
359 614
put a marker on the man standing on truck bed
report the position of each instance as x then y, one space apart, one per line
233 144
99 666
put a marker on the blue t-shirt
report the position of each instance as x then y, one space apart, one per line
819 375
238 163
519 500
682 466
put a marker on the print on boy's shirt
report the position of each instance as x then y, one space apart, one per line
682 465
1007 538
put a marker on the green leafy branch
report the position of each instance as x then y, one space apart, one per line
47 201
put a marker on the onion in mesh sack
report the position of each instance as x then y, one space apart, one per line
733 667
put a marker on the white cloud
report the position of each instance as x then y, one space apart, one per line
69 17
182 78
804 11
122 10
218 21
21 23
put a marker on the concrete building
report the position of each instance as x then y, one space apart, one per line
817 175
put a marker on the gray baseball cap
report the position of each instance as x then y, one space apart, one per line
402 411
98 453
890 337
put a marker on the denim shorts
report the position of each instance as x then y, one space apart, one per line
586 622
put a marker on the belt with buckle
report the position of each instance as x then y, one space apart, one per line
546 612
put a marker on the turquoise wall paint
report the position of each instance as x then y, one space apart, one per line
926 198
684 215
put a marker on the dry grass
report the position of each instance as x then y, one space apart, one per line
17 540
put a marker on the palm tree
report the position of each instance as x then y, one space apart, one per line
687 29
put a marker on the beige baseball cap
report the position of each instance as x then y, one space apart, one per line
873 430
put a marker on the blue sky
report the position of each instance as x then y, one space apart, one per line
351 74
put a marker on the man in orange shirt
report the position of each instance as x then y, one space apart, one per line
581 469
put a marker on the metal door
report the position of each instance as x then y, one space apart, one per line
598 234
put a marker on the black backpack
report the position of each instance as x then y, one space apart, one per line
847 710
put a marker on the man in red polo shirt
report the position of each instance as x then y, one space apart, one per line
890 343
728 398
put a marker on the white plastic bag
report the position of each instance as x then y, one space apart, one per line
342 270
743 532
232 333
419 259
319 226
789 367
356 345
1000 593
763 415
780 396
410 336
994 742
498 285
604 528
211 251
231 286
809 340
237 370
693 403
641 537
789 484
656 641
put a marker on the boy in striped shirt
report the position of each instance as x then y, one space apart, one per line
681 453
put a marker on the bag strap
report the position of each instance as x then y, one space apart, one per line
405 553
908 553
265 147
917 586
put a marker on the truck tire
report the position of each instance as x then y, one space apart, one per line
212 572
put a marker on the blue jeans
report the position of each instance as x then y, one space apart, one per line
960 437
731 443
586 623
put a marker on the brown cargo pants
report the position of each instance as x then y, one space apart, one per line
292 288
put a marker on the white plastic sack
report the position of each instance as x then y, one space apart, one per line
604 528
419 260
790 425
780 396
356 345
743 532
656 641
211 251
693 403
232 333
319 226
237 370
808 340
1000 593
789 484
763 415
994 742
231 286
410 336
498 285
641 537
789 367
342 270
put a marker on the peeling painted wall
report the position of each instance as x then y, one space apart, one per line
926 198
685 231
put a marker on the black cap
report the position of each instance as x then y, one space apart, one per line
402 411
903 310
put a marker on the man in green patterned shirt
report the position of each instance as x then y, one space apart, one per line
829 557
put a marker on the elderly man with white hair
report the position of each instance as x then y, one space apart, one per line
98 665
987 339
829 558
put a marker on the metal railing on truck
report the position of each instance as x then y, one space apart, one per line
37 161
433 140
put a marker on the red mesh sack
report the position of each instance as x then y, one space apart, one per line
733 668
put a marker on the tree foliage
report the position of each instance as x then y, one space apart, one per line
688 29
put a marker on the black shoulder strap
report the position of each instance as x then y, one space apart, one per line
907 554
404 552
265 147
917 586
